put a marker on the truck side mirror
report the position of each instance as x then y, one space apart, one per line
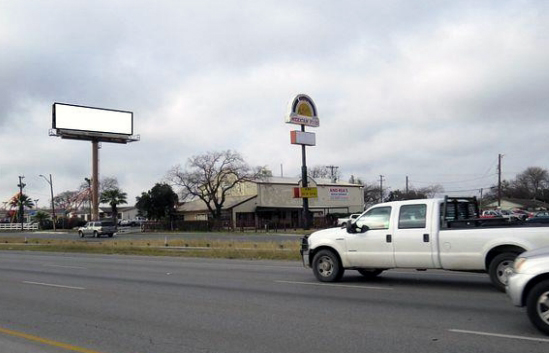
364 228
351 227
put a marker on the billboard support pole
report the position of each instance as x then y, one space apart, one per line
95 180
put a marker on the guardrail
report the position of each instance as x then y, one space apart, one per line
17 226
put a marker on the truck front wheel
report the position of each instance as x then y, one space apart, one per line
537 306
497 268
327 267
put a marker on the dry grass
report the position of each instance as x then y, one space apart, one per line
177 247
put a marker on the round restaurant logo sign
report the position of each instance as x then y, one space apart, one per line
302 111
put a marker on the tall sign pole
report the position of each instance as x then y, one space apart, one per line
302 111
306 213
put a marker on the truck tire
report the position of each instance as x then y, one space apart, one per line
81 233
369 273
497 268
537 306
327 267
95 234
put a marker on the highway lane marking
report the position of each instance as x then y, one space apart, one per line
46 341
479 333
53 285
61 266
334 285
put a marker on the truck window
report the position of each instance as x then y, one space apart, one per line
412 216
376 218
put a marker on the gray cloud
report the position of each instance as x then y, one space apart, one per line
432 89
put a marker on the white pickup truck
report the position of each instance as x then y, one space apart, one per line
421 234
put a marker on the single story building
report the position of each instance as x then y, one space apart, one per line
124 213
272 202
523 204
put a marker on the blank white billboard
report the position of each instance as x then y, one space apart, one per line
89 119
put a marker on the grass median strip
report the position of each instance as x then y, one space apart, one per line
288 250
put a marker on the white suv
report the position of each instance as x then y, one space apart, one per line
97 229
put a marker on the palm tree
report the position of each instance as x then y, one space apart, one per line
114 197
41 217
20 201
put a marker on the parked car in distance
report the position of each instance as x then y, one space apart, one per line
491 214
500 214
539 217
97 229
343 221
521 214
131 222
528 285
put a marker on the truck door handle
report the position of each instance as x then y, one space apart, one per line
388 238
425 238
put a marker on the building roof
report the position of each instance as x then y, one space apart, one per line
525 203
295 181
199 205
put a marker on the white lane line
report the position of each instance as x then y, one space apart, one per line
334 285
501 335
53 285
61 266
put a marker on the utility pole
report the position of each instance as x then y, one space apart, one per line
499 179
381 188
333 176
21 185
407 189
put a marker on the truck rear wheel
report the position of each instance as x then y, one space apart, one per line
537 306
497 268
327 267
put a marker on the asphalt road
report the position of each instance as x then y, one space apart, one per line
122 304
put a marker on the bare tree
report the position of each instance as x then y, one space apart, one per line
371 194
324 172
429 191
532 181
108 183
210 177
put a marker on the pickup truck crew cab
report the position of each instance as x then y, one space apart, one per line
421 234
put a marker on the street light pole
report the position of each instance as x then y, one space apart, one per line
52 204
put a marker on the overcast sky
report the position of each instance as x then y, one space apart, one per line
432 90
